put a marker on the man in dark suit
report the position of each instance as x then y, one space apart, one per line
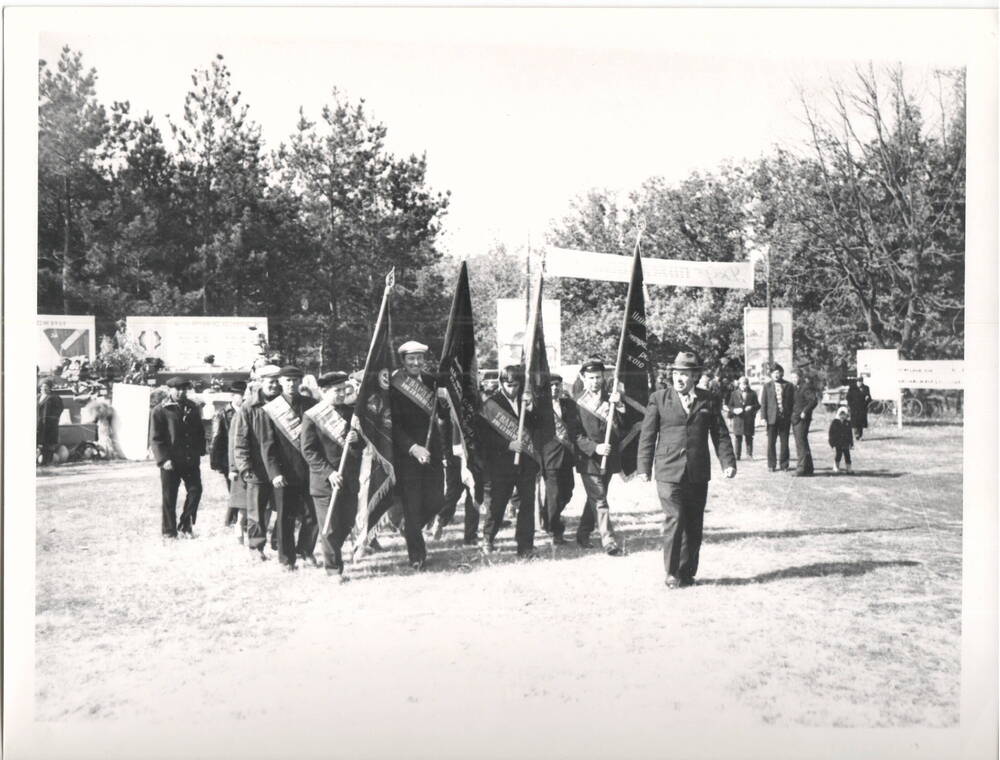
776 401
675 431
178 443
559 458
593 445
741 407
418 450
802 409
498 428
326 432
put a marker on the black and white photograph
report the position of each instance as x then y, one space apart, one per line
500 382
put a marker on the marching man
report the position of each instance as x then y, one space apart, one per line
418 448
326 431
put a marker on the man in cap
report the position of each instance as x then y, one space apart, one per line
218 452
558 459
417 447
250 430
327 439
675 431
178 443
288 471
498 434
777 399
594 404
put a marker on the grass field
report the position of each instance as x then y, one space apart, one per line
832 601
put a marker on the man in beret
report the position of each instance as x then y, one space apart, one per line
559 458
678 423
327 437
178 443
777 401
219 449
498 428
418 448
250 429
593 405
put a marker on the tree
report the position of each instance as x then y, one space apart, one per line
71 127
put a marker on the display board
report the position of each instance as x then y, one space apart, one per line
755 342
879 367
512 322
931 374
184 342
64 336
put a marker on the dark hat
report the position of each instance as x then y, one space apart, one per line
328 379
592 365
178 382
237 386
555 378
685 360
290 371
776 366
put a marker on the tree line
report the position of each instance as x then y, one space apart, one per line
862 226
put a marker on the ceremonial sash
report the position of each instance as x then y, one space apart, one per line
594 406
415 390
506 425
284 418
330 421
561 433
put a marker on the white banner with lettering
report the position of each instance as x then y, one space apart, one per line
184 342
931 374
563 262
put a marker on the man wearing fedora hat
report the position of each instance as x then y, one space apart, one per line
678 423
178 443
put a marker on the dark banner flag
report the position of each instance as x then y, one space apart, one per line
537 379
459 371
373 419
633 367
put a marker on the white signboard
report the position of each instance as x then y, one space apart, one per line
64 336
563 262
184 342
930 374
511 324
879 367
755 341
130 422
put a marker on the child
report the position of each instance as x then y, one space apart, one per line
841 438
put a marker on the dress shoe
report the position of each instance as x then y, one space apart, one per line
687 580
613 550
672 582
419 565
487 547
583 542
310 559
526 554
470 541
288 568
558 540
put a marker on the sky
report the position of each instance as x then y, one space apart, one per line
518 111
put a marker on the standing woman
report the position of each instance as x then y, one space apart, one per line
859 396
50 409
743 405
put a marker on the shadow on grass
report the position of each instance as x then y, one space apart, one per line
815 570
859 474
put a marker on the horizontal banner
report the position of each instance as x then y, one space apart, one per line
563 262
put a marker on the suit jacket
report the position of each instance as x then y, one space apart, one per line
769 402
248 431
805 401
498 459
47 424
589 433
218 457
743 423
677 441
322 454
555 453
281 456
178 434
409 427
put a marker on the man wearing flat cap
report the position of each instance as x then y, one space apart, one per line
219 452
593 404
178 443
326 439
418 447
678 423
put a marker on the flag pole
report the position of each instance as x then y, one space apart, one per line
447 340
527 365
621 353
390 280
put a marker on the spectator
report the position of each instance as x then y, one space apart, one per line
840 439
50 409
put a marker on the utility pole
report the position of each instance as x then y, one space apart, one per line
770 326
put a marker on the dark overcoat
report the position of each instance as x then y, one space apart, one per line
178 434
743 423
858 400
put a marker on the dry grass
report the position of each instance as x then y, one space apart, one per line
830 601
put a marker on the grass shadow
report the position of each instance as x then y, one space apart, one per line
859 474
815 570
